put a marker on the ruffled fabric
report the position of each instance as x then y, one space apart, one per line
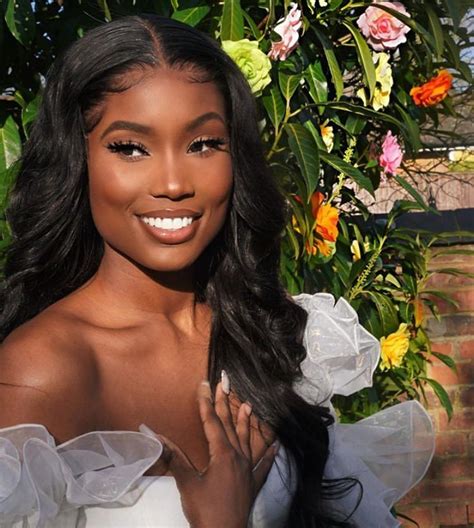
39 481
47 486
387 453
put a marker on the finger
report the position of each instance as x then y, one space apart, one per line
177 461
222 408
211 423
260 471
243 429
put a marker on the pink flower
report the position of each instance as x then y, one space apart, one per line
392 154
287 28
381 29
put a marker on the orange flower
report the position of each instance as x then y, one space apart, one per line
327 218
433 91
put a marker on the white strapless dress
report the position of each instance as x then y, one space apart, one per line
97 479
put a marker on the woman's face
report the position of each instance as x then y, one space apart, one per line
160 169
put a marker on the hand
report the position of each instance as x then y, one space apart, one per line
222 494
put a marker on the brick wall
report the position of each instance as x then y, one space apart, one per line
446 495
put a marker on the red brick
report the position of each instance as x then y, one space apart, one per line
463 419
445 347
444 280
446 491
470 513
463 298
452 468
423 515
470 444
466 349
450 326
466 396
442 373
451 444
452 514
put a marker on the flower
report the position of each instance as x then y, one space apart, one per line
418 311
355 250
394 347
392 155
253 63
287 28
433 91
384 80
326 219
381 29
327 133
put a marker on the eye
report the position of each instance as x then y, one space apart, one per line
202 146
128 149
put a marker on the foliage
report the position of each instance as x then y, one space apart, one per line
324 115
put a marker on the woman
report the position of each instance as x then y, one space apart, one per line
145 260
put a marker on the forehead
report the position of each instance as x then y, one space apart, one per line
162 98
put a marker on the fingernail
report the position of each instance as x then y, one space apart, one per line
225 382
248 408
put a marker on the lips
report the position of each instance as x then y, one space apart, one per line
171 236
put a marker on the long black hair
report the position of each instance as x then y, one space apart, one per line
257 329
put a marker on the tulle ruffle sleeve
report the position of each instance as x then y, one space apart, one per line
42 484
387 453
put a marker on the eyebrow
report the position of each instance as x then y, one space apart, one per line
144 129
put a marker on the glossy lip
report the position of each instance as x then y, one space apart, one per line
168 236
171 213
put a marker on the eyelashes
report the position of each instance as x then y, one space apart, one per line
135 150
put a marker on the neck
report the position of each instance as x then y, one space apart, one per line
129 290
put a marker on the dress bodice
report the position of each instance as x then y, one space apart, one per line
97 479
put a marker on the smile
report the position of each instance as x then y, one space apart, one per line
171 224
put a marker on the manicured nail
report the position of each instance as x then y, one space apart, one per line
225 382
248 408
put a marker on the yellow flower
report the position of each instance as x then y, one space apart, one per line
253 63
394 347
355 250
327 133
384 83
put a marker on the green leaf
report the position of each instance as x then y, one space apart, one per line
367 112
105 9
442 396
304 147
257 34
288 84
349 170
365 57
454 12
29 112
436 30
330 55
274 106
447 360
318 84
387 312
232 21
191 16
20 20
413 130
413 192
10 144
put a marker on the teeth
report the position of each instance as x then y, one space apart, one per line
171 224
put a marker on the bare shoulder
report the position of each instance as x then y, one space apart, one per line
47 376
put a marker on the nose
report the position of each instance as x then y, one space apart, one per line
171 178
